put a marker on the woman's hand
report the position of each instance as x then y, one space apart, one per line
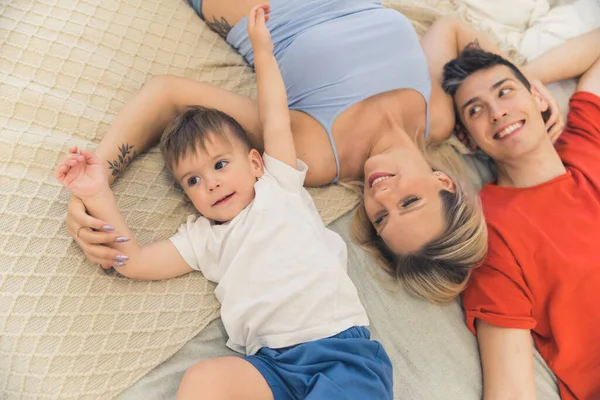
555 124
92 235
259 34
85 177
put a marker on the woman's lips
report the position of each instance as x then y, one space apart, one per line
376 175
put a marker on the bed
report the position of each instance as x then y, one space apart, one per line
67 330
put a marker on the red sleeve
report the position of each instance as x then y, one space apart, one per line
497 292
579 145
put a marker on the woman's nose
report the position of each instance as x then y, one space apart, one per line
383 194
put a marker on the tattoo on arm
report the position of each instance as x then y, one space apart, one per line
222 27
126 156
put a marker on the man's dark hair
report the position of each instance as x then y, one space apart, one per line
471 60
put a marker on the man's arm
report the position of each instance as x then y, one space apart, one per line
571 59
507 362
590 80
272 99
154 261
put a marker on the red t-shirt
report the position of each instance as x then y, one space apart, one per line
542 271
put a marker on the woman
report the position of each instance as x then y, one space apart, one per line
362 91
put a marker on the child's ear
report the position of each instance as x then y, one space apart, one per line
541 101
257 163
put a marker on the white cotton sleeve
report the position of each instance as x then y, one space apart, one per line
193 241
290 179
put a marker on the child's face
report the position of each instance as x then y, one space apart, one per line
220 181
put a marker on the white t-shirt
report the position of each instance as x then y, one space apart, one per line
281 274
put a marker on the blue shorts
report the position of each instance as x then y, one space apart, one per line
346 366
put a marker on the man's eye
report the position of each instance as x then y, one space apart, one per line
221 164
410 200
473 110
193 180
380 219
504 91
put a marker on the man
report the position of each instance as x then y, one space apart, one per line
541 277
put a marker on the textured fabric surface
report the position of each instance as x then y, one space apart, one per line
434 355
66 68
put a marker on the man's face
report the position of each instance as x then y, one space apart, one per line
502 117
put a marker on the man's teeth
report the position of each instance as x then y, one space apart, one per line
508 130
381 179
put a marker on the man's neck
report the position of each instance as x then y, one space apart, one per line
537 167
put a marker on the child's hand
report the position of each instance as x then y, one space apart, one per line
82 174
260 37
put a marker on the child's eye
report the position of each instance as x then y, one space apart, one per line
408 201
380 219
194 180
473 110
221 164
504 91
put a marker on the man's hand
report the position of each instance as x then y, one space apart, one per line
259 34
82 174
464 138
555 124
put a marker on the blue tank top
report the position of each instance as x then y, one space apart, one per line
335 53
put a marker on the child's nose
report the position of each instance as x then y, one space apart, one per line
213 184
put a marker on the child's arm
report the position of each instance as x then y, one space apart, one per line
571 59
84 175
272 99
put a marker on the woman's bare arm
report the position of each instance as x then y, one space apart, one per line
446 39
137 127
141 122
507 362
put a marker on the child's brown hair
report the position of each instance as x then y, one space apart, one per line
195 125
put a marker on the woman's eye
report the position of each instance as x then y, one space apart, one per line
504 91
221 164
380 219
193 180
409 201
473 110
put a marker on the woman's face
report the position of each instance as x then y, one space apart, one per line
402 198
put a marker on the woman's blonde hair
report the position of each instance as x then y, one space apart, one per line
439 271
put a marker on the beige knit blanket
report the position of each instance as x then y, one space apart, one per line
67 67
